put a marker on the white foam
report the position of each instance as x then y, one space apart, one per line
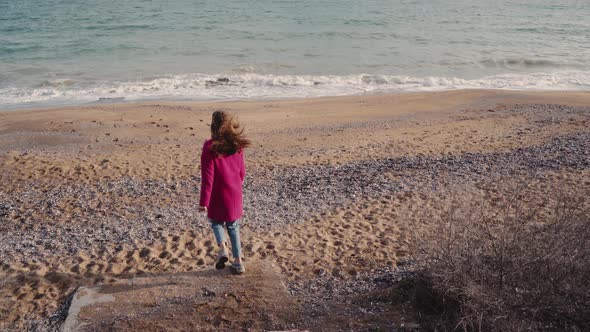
252 86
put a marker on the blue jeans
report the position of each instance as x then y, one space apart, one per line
233 229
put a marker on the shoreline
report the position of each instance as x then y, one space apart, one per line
188 100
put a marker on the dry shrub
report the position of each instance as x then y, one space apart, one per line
521 264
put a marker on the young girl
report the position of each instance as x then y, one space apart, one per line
222 175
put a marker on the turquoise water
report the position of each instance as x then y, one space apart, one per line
72 52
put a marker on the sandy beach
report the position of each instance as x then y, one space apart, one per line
335 188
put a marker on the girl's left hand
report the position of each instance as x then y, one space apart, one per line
202 209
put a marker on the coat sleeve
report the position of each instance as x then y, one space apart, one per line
207 172
242 167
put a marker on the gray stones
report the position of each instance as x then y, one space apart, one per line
4 209
284 195
133 208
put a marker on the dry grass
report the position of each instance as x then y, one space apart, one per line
521 264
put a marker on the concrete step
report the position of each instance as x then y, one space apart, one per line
204 300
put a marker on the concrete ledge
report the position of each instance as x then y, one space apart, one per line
204 300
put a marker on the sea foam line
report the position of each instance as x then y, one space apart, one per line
251 85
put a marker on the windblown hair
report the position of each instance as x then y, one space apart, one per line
227 134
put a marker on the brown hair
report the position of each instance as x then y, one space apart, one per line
227 134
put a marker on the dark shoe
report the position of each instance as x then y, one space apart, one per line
221 260
238 268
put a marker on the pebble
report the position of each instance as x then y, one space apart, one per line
273 197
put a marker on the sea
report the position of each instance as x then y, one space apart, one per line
73 52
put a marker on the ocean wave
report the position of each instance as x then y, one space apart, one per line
527 63
7 49
119 27
247 85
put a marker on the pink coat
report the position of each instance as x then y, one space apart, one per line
221 184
